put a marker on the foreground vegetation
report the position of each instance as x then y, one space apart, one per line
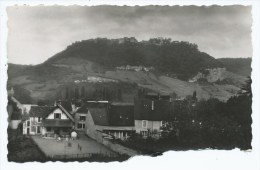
208 124
22 148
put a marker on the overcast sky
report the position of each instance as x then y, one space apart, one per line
37 33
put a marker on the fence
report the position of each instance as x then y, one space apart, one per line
84 155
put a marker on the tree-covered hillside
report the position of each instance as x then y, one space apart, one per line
181 59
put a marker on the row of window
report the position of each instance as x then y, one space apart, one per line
28 123
145 123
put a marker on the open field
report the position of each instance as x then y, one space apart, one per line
53 148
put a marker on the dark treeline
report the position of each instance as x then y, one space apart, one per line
111 91
181 59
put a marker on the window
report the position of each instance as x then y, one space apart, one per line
82 118
144 123
163 123
48 129
81 126
39 119
28 123
57 115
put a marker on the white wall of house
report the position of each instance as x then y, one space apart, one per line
32 126
58 110
153 126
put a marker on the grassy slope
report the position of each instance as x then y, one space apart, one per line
240 66
43 86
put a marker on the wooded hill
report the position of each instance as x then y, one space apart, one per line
180 59
173 62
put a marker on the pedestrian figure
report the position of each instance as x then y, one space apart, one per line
80 148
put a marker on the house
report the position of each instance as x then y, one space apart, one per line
80 118
48 120
113 120
150 115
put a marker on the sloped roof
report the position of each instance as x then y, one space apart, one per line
66 112
114 115
96 104
66 105
44 111
121 115
83 109
41 111
57 123
100 116
87 105
162 110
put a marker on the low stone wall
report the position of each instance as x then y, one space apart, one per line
119 148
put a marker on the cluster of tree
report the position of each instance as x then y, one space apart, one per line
212 123
166 56
203 124
15 113
22 95
111 91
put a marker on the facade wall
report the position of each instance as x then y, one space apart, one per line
152 126
32 126
78 121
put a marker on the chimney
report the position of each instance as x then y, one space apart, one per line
58 102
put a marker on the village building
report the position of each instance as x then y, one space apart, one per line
151 113
48 121
111 120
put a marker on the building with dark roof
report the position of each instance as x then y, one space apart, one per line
80 114
48 120
111 120
150 115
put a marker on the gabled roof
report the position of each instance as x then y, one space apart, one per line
100 116
44 111
114 115
87 105
83 109
41 111
66 105
162 110
66 112
121 115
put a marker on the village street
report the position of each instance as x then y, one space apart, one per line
82 147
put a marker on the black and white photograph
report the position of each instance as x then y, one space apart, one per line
109 83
